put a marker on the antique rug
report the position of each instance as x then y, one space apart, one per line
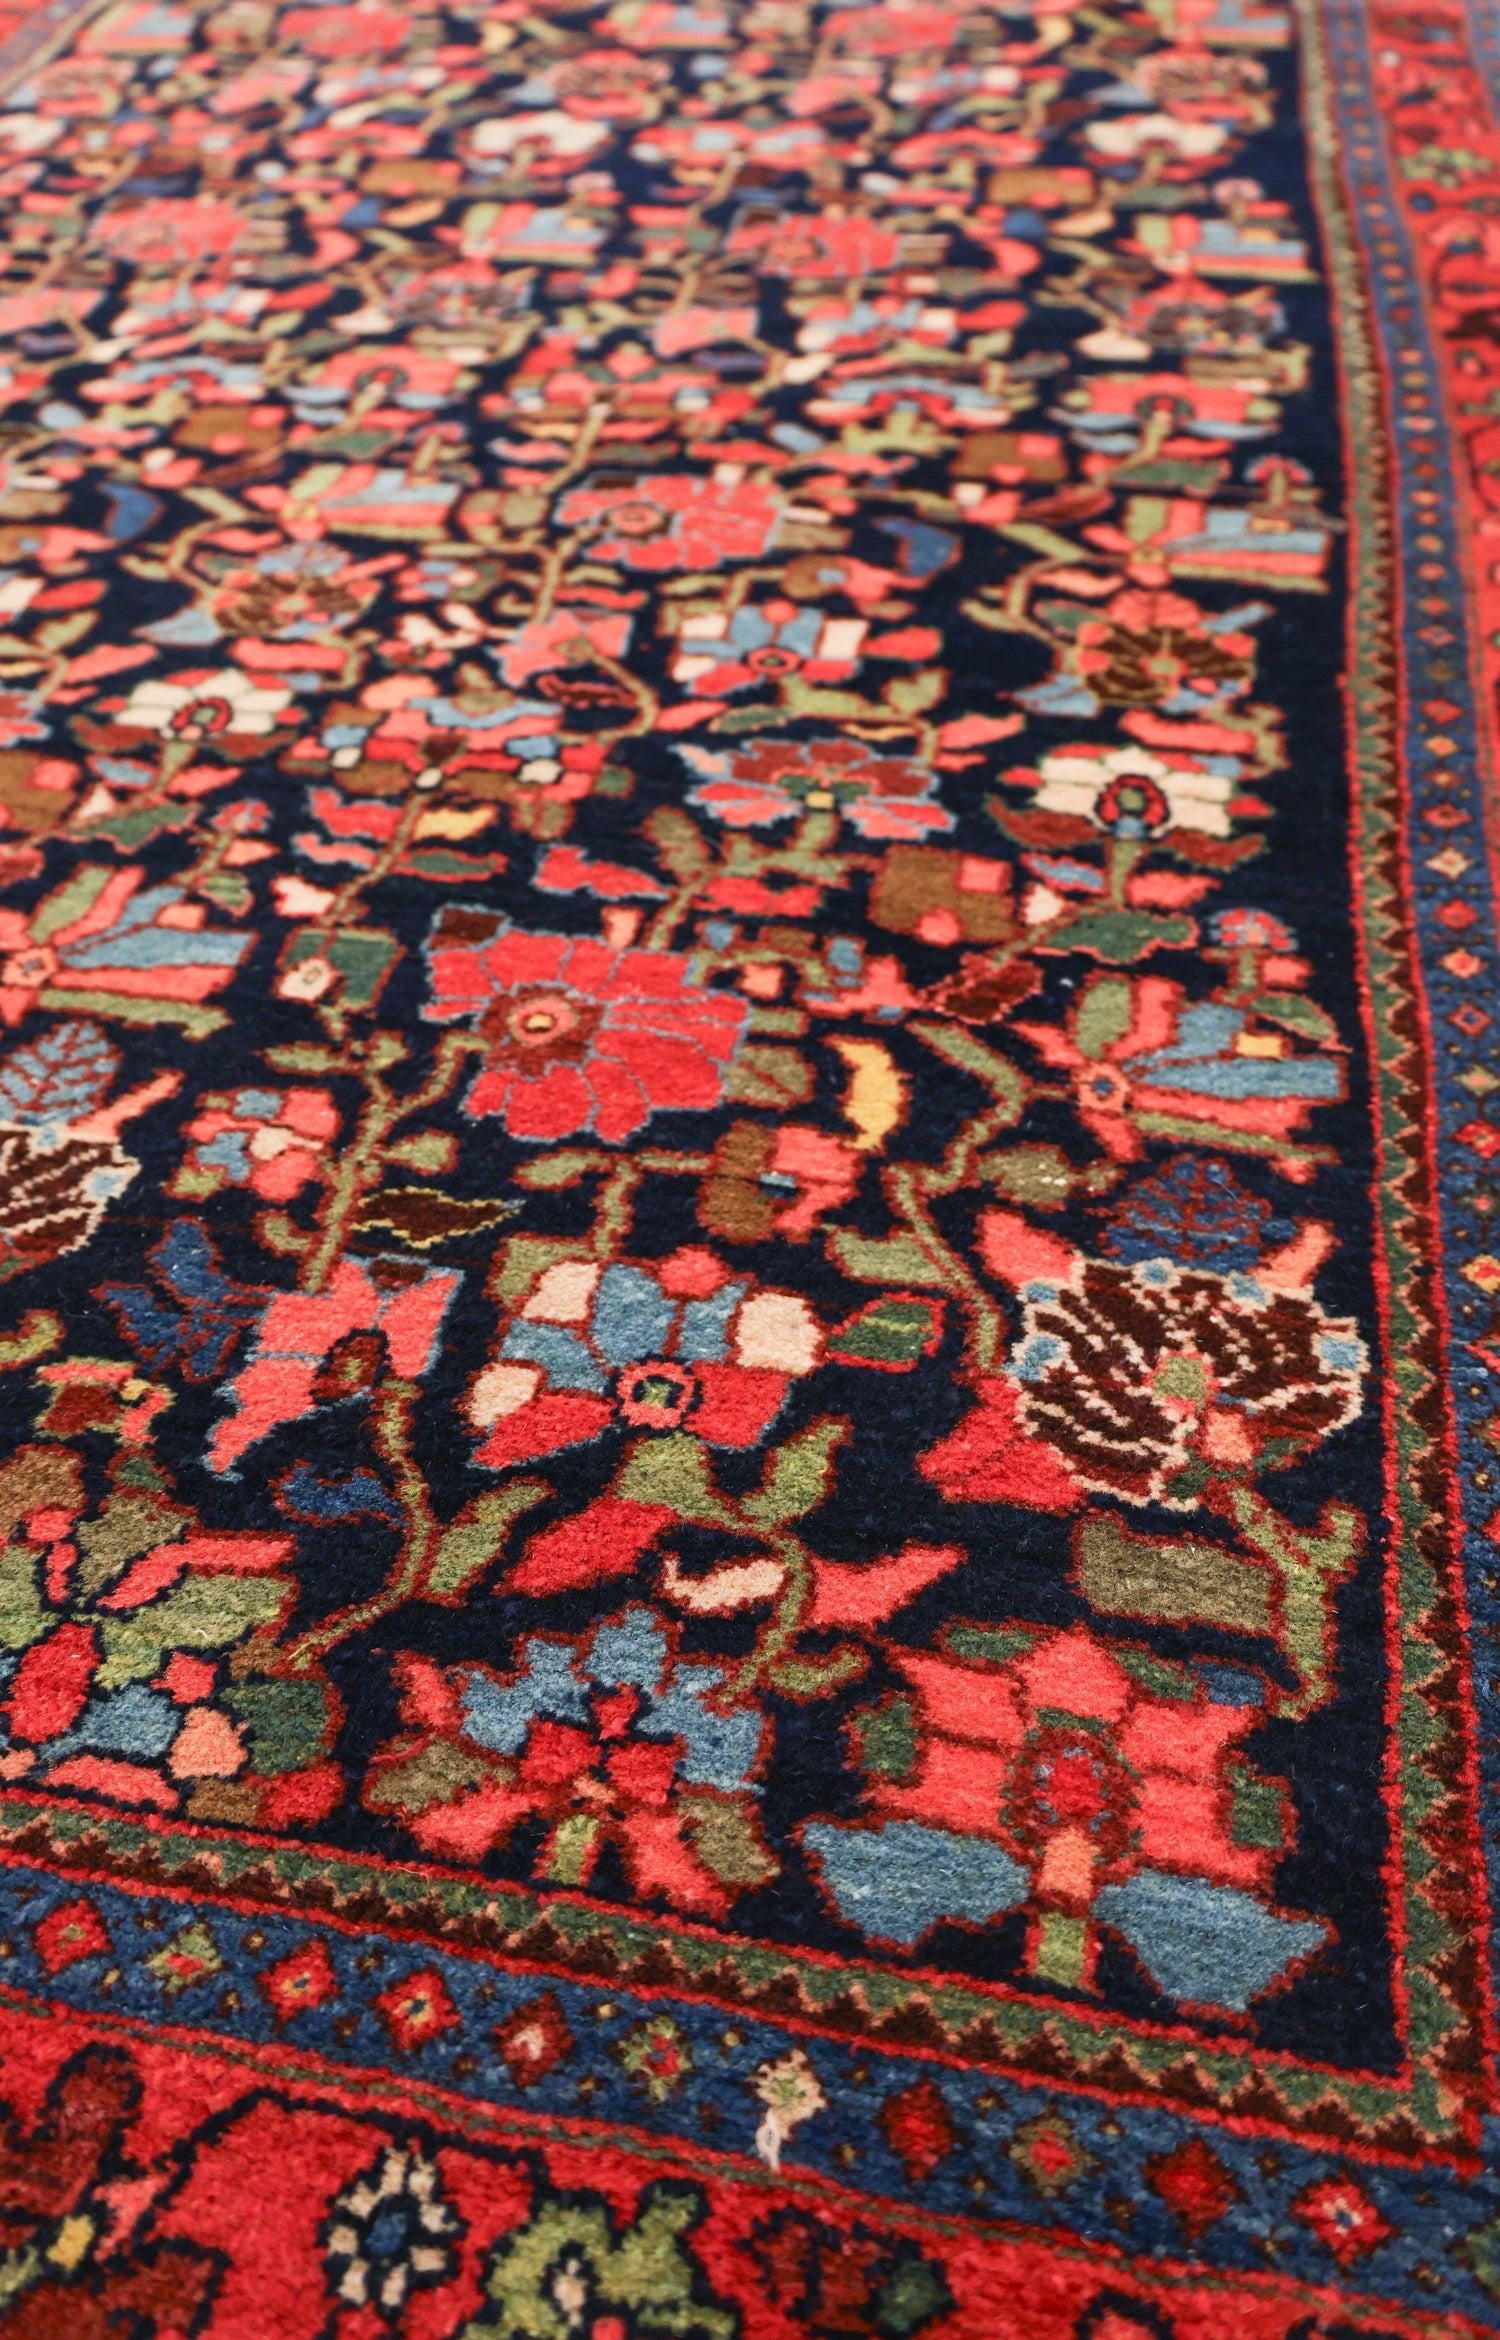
749 1131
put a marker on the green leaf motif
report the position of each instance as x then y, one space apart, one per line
524 1257
957 1045
1103 1015
799 1476
284 1721
1300 1015
22 1617
724 1838
882 1259
1123 936
302 1056
564 1167
765 1075
818 1678
885 1738
674 1472
71 901
205 1612
643 2269
478 1536
680 843
912 694
894 1331
427 1150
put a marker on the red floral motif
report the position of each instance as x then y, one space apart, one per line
535 2040
417 2010
69 1933
1102 1792
275 1142
1342 2215
72 2201
918 2128
884 796
677 521
580 1036
993 1458
1137 1050
611 1745
673 1344
1194 2184
300 1982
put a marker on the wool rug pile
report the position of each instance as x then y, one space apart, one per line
749 1109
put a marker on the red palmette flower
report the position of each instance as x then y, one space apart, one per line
580 1036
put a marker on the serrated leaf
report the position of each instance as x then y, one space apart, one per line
131 830
958 1045
1123 936
127 1526
478 1536
680 843
892 1332
1299 1015
437 1774
302 1056
204 1612
882 1259
425 1149
424 1215
563 1168
726 1841
1104 1014
765 1075
227 888
912 694
799 1475
672 1471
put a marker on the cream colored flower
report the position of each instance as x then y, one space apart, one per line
201 706
1134 792
791 2092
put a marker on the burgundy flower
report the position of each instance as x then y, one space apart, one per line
1150 645
1136 1374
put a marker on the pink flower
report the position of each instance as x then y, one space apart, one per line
569 637
312 1348
580 1036
270 1140
678 521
